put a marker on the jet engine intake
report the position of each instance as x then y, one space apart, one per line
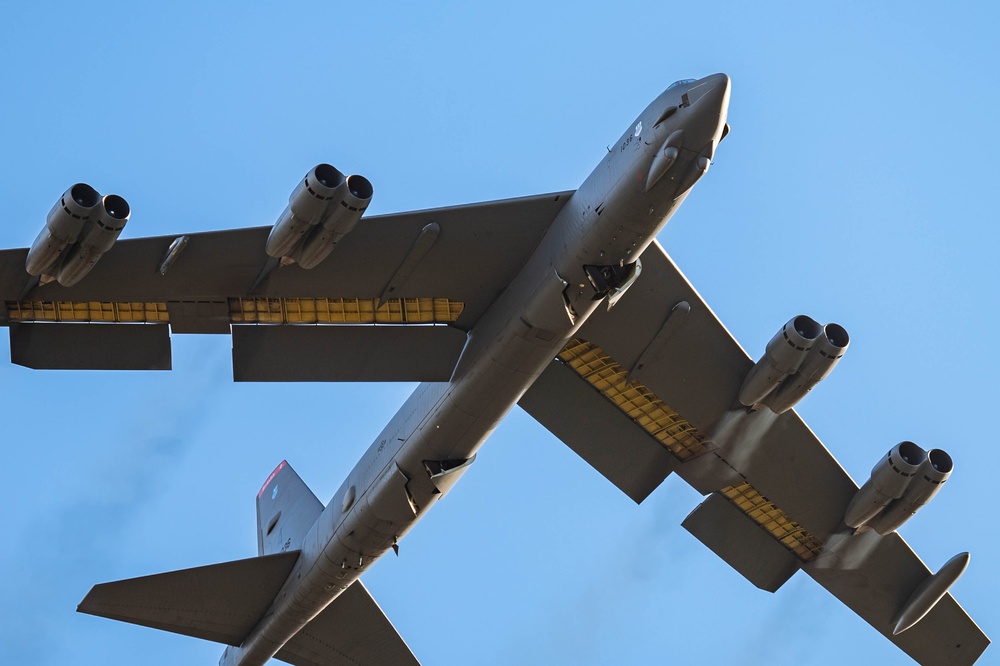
933 473
105 225
307 206
349 203
818 364
62 228
890 480
80 228
783 356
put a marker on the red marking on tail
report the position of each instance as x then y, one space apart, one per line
271 478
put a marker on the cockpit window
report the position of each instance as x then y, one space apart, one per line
681 83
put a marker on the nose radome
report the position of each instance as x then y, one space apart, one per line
709 99
716 86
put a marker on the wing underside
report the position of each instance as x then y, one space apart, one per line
650 387
393 301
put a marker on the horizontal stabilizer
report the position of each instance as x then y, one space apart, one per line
352 631
219 602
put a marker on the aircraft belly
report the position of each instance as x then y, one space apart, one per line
508 349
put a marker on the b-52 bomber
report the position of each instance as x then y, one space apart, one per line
562 303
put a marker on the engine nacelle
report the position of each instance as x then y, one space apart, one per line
889 481
349 204
98 236
825 354
62 228
308 204
782 357
933 473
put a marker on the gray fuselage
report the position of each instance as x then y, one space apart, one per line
427 445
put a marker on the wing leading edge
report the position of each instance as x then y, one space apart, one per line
657 378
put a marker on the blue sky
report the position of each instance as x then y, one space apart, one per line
857 186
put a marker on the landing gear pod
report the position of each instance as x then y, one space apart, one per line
928 593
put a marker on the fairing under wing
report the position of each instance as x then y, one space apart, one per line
651 386
426 277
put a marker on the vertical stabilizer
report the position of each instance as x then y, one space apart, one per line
286 509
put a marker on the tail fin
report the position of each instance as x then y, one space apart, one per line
286 509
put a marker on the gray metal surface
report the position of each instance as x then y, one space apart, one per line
875 576
741 543
286 509
529 272
345 353
51 346
699 373
219 602
479 250
598 432
352 631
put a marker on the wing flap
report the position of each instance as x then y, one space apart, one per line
741 543
771 468
479 249
98 347
352 631
345 353
219 602
597 431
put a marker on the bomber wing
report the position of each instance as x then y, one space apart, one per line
651 387
427 276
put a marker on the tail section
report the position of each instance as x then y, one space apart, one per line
220 602
286 509
224 602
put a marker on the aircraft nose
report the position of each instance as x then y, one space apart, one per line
711 91
709 97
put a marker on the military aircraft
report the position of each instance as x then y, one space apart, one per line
562 303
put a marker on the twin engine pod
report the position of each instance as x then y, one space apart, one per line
80 228
902 482
797 358
322 209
